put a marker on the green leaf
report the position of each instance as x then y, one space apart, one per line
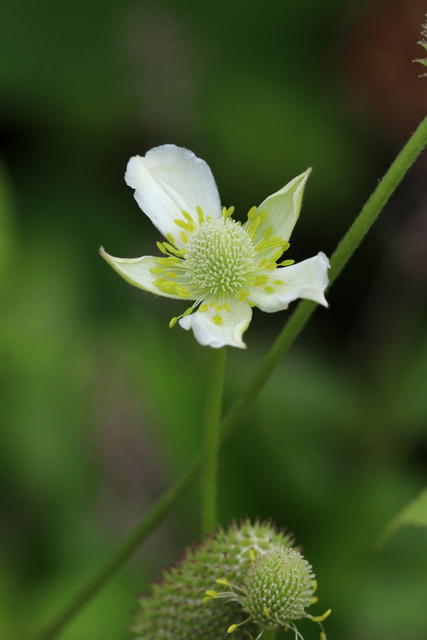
414 514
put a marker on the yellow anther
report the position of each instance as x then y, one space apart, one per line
262 263
169 248
271 266
156 270
213 303
206 599
261 246
200 214
275 256
321 618
322 635
182 224
242 295
183 237
263 216
204 307
188 311
211 593
232 628
267 233
251 212
187 216
254 224
286 246
224 212
315 585
223 581
217 320
168 262
260 280
252 555
269 289
266 612
183 293
209 218
173 322
171 274
287 263
218 308
230 211
314 599
170 237
277 282
250 303
161 247
227 307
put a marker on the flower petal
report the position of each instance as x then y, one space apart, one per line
282 210
234 324
168 180
137 271
307 279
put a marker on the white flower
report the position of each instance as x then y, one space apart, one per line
223 267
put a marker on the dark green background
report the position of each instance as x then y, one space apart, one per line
100 403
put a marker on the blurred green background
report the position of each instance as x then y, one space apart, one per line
100 403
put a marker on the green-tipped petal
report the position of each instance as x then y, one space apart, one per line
282 209
307 279
137 271
229 331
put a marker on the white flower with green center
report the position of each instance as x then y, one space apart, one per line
223 267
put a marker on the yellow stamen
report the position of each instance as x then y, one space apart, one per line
200 214
217 320
173 322
156 270
266 612
183 237
161 247
252 555
287 263
223 581
314 599
323 617
204 307
227 307
268 232
211 593
269 289
251 212
170 237
171 274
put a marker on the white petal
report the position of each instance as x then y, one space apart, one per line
137 271
234 324
282 209
307 279
169 179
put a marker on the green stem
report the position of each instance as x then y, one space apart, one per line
295 324
211 440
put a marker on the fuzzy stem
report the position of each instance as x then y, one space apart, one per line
295 324
211 442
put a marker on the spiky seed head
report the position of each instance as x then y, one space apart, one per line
277 588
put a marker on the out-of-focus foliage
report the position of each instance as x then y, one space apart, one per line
100 403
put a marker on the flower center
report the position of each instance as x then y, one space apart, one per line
220 256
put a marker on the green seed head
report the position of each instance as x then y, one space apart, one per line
277 588
179 607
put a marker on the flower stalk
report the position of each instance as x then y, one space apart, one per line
290 332
211 440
